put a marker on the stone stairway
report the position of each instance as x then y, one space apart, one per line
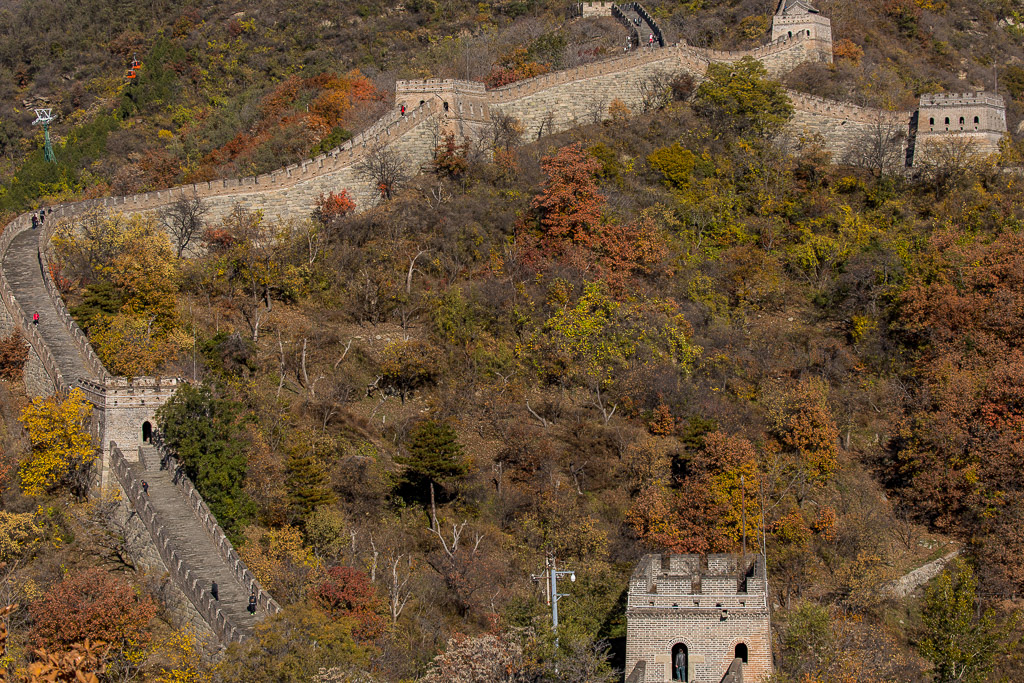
21 266
190 538
637 20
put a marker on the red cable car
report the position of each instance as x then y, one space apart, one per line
130 74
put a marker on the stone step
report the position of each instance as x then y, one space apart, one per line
21 266
194 545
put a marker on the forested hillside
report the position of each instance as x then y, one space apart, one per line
661 333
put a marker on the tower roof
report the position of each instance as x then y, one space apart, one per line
795 7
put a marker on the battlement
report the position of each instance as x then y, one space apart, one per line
949 99
704 610
431 85
698 581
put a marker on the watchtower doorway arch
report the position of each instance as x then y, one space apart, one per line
147 432
680 662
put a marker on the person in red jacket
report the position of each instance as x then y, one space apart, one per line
35 318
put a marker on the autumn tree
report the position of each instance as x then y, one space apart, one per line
92 604
183 220
204 432
703 510
62 447
13 354
953 450
331 210
128 276
514 66
434 459
740 97
407 366
571 230
281 561
960 640
386 169
348 593
296 644
250 264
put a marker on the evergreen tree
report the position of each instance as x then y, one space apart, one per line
205 434
960 643
307 483
434 457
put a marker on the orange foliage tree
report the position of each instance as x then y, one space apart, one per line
332 99
568 226
348 592
958 448
515 66
92 604
702 511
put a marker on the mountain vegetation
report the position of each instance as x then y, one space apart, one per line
673 331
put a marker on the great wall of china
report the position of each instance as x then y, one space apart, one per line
178 537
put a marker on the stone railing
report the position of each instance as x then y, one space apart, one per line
734 674
638 673
21 317
845 110
43 251
227 551
180 570
634 35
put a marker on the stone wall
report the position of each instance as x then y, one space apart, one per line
146 556
710 641
173 558
546 104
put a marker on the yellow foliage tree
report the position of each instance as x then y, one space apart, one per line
62 448
280 560
18 534
185 659
131 345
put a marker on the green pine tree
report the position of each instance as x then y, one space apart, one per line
434 457
205 433
308 484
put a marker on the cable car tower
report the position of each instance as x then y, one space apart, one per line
44 117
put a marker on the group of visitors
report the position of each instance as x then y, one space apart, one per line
37 221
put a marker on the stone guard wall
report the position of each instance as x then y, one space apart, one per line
245 577
209 609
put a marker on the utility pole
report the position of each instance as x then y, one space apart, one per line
550 579
45 117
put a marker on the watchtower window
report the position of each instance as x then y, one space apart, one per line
741 652
422 102
931 121
961 120
446 107
975 120
947 119
790 34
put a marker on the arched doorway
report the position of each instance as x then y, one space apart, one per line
147 432
680 662
741 652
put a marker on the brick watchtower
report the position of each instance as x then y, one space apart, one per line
977 117
713 609
797 19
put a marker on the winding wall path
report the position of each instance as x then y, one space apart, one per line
193 548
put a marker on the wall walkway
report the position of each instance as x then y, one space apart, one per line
61 357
